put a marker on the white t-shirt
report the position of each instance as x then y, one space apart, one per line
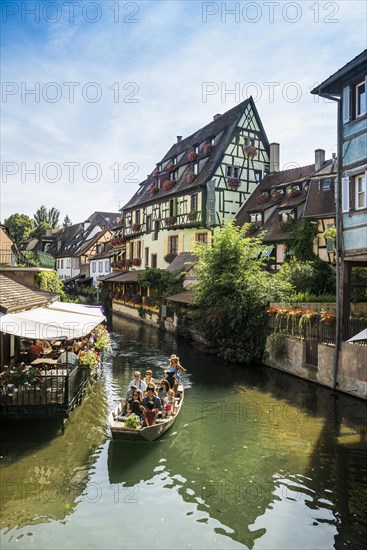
141 385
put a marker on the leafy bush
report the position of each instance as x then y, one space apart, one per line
132 421
313 276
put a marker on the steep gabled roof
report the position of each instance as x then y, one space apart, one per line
321 202
275 179
69 238
106 219
222 128
182 262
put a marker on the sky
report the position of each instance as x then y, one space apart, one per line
95 93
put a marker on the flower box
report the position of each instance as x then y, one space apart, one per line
153 190
136 261
170 221
263 198
293 192
208 148
191 177
234 183
169 184
250 151
192 156
135 227
277 195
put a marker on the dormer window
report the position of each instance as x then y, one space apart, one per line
159 167
256 218
173 175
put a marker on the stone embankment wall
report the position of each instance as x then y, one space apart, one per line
288 354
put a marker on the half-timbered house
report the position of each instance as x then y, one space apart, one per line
201 181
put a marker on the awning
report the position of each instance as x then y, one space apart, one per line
360 336
185 297
58 321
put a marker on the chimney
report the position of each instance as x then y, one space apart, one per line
48 231
179 138
215 117
334 156
319 158
274 157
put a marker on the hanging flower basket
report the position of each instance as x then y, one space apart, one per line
250 151
234 183
135 227
153 190
168 222
208 148
277 195
293 192
169 184
155 173
192 156
170 166
263 198
190 178
136 261
326 318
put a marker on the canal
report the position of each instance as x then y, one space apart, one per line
257 459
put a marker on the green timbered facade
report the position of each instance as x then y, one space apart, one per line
202 180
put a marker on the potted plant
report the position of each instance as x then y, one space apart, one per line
190 177
326 318
135 227
208 148
153 190
136 261
192 156
263 198
250 151
234 183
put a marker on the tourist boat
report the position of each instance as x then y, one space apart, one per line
148 433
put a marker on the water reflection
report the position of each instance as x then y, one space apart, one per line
257 459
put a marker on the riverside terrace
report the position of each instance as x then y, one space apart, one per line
52 384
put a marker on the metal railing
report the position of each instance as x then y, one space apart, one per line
26 259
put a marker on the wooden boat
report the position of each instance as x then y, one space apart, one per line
148 433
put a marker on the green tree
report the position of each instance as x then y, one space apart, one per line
49 281
232 294
312 276
40 215
162 282
40 230
50 216
300 244
20 227
67 221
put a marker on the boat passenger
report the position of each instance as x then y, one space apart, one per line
149 414
138 382
149 380
157 404
177 369
163 389
46 345
169 404
133 389
134 405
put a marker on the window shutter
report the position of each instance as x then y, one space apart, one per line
192 241
364 110
209 238
180 243
165 246
364 185
345 194
346 104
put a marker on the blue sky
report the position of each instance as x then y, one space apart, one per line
116 82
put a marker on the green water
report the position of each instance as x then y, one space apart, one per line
257 459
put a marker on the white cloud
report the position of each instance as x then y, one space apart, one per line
168 54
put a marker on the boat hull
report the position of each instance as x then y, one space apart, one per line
149 433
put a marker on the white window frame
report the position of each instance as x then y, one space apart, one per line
360 191
100 267
196 168
361 100
107 265
94 267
